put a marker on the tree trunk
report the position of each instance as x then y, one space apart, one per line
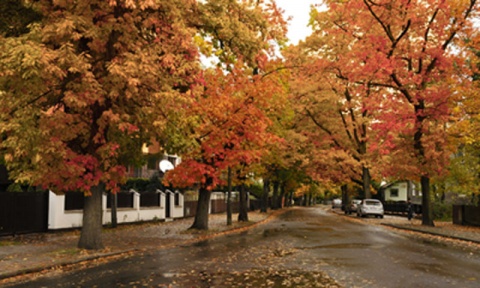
274 204
366 179
243 207
201 216
266 191
287 201
281 199
229 197
344 189
91 233
427 217
113 200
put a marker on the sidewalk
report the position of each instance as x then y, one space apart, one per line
442 229
34 253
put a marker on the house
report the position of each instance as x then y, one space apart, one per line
400 191
154 156
396 194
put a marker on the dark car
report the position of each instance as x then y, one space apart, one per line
353 206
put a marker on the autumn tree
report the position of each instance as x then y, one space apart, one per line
282 159
85 87
331 112
464 131
227 129
408 48
240 29
236 33
16 18
91 82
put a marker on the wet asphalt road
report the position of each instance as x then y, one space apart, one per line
305 247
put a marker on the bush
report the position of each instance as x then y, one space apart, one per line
143 185
256 190
442 211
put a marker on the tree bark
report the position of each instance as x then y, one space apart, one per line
266 191
201 216
113 200
366 179
91 233
229 197
274 204
243 207
281 201
427 216
344 189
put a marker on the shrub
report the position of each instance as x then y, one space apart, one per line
442 211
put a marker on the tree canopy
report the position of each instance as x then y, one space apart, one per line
380 89
410 53
91 81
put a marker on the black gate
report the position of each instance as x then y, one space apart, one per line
23 212
168 210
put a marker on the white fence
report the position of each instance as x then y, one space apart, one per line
171 207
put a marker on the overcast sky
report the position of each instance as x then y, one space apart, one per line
299 10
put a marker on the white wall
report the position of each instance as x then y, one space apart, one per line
176 211
58 218
402 188
153 213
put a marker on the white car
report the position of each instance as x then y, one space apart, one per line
370 207
336 203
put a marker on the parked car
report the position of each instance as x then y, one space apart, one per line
370 207
352 207
337 203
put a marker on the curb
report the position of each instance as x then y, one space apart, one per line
270 217
431 233
38 269
41 268
419 230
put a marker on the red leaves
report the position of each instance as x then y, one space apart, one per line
389 70
230 126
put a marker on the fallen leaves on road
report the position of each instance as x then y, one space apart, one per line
256 278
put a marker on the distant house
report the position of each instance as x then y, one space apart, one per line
154 154
401 191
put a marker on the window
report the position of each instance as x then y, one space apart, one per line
150 199
177 199
394 192
172 159
124 200
152 162
372 203
74 201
